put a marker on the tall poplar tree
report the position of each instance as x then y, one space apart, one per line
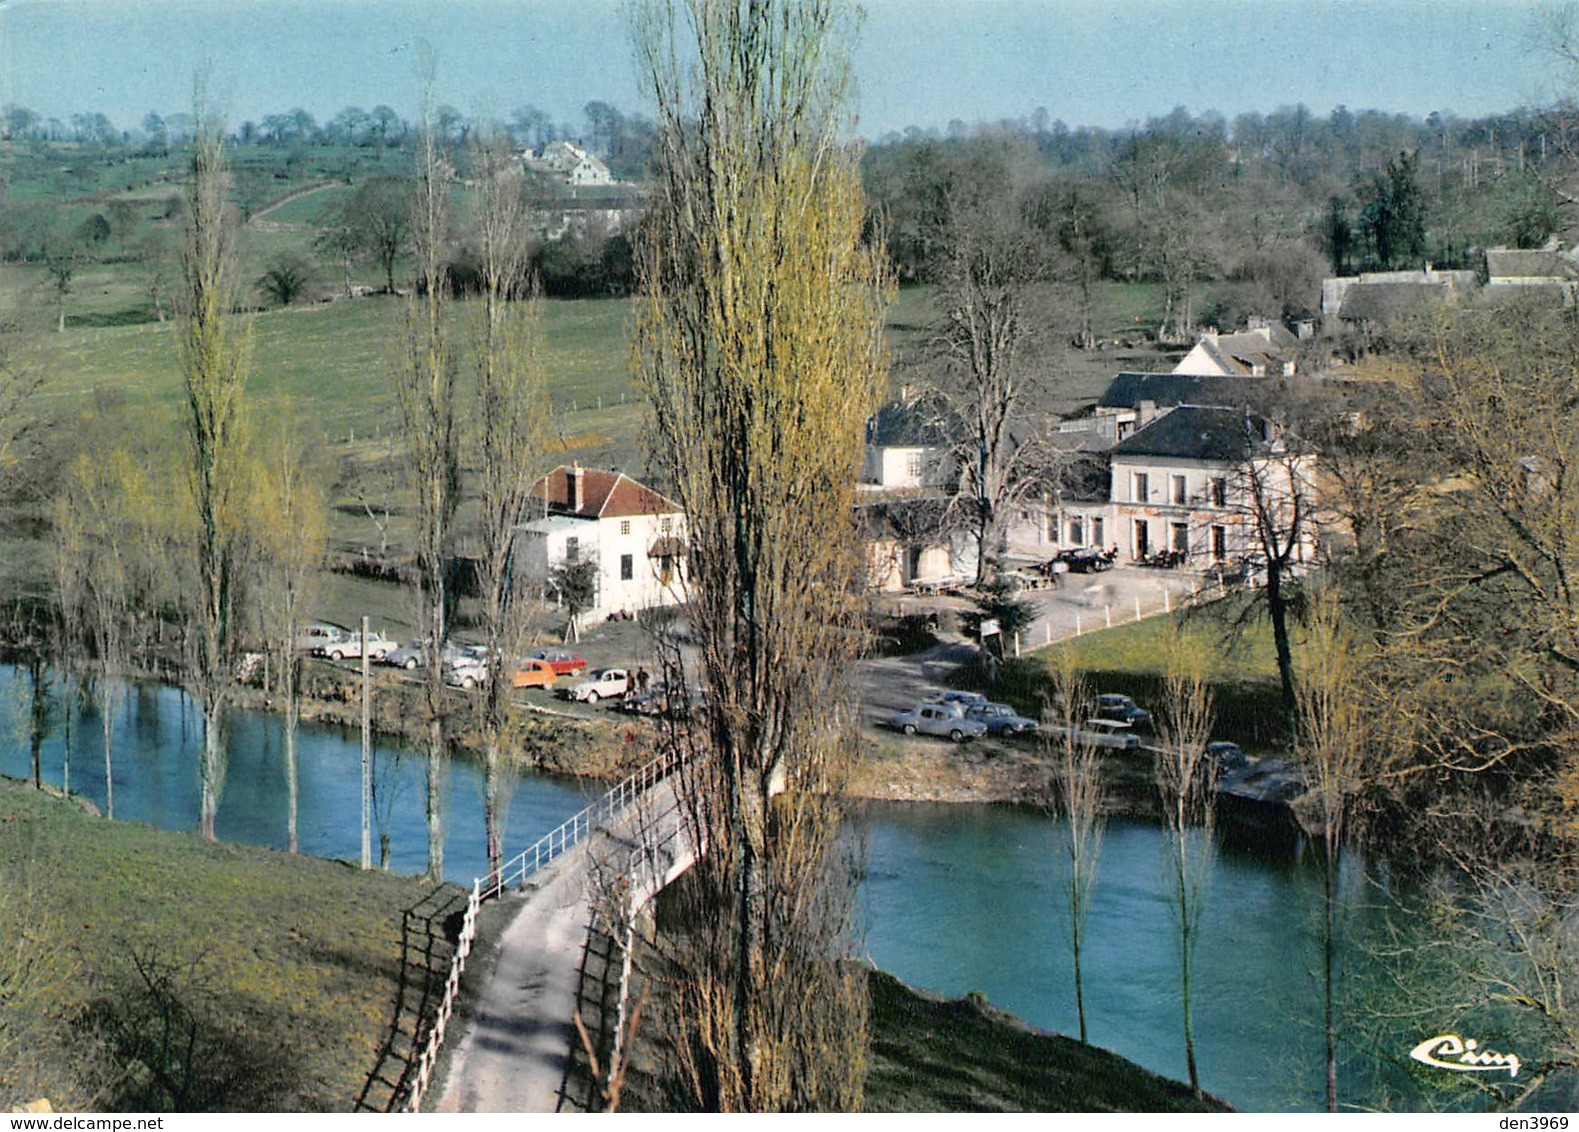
760 356
212 344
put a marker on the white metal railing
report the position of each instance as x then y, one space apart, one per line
515 872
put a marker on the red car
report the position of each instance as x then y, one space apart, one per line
564 662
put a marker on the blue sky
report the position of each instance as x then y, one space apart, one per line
919 62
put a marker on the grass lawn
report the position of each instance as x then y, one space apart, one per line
1241 666
287 964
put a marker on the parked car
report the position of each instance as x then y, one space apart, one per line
351 646
1109 733
1227 757
565 662
323 633
1082 560
468 668
533 672
938 719
415 655
1001 719
654 701
604 684
963 699
1113 705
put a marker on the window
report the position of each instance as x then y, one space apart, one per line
625 526
1181 538
1142 539
572 549
1142 487
1219 543
627 567
666 525
1076 532
914 465
1219 491
1096 532
1181 490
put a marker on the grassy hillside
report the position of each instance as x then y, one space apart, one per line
284 967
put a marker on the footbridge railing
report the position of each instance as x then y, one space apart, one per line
512 874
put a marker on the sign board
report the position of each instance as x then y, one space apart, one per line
990 627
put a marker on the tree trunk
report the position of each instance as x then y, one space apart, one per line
1277 609
212 769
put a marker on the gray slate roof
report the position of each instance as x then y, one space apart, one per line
1195 432
1165 390
925 421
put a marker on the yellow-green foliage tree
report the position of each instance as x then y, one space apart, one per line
760 355
510 425
425 376
213 349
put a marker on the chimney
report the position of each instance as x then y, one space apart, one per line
1145 413
577 493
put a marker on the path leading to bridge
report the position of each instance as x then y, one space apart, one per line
513 1055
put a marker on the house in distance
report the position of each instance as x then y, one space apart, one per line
634 535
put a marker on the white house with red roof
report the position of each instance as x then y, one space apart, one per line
635 535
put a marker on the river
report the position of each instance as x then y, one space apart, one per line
956 898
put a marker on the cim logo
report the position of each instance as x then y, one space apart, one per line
1449 1051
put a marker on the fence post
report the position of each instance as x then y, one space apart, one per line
1137 607
1077 624
1167 600
1107 611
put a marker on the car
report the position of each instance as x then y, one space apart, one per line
1227 757
1083 560
938 719
1114 705
1001 719
350 647
565 662
322 633
533 672
962 699
603 684
415 655
654 701
468 668
1108 733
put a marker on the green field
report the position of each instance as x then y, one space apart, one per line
1241 666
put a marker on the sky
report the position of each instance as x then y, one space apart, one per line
1103 63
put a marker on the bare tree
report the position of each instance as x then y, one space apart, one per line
1331 744
425 383
993 258
213 348
1185 780
1077 785
760 352
511 422
1274 492
95 524
291 525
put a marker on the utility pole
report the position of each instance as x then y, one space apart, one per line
367 758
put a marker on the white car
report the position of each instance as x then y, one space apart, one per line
603 684
320 635
1109 733
378 646
467 668
945 719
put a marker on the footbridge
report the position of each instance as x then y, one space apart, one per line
513 1053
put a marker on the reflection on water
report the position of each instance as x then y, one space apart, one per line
157 738
967 898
